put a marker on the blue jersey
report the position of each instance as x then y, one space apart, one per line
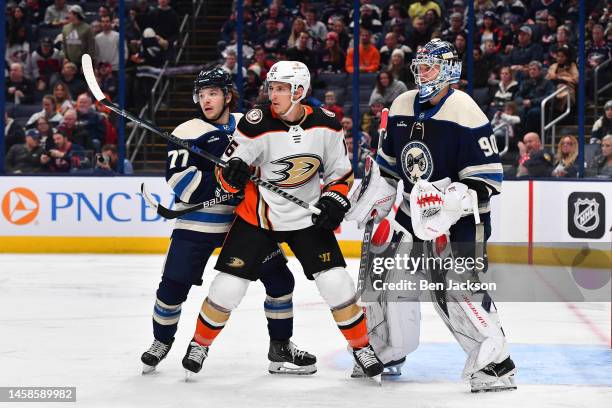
192 178
451 139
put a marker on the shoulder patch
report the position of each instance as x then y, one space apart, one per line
254 116
328 113
193 129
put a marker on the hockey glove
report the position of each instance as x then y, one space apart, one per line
372 200
333 206
235 175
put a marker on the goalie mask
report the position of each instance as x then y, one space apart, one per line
294 73
435 66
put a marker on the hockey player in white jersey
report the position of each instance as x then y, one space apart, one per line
196 234
295 147
442 147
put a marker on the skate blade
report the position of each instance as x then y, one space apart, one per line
291 369
189 376
392 372
508 385
377 379
147 369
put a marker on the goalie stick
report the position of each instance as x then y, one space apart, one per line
90 77
369 227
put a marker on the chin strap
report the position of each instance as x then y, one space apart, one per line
293 103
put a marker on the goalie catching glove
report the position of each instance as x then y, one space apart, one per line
435 207
375 201
333 206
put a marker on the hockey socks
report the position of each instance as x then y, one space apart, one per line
211 321
351 321
279 312
165 320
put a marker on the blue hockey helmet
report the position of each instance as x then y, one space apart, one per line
435 66
214 78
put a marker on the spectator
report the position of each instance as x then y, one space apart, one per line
316 28
456 27
68 126
549 32
369 57
339 28
396 16
18 88
490 31
302 53
65 156
483 72
598 50
62 96
48 112
601 166
603 125
336 9
164 21
149 61
45 64
261 61
530 94
25 158
13 133
34 12
107 44
247 50
107 162
69 77
249 25
565 160
275 13
106 79
507 122
419 8
57 14
77 36
96 28
525 52
511 34
368 19
271 39
91 122
370 121
505 90
332 58
298 27
332 106
364 148
419 35
231 65
44 130
533 160
252 84
17 46
391 44
564 72
387 88
433 22
562 40
461 47
142 14
399 69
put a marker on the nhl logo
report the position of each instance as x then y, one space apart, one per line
586 215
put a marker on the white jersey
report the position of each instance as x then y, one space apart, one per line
294 157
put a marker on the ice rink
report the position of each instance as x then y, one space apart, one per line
84 321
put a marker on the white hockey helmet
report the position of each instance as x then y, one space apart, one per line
294 73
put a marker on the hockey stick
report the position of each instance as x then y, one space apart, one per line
170 214
90 77
369 227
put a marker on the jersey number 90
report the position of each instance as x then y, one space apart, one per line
488 145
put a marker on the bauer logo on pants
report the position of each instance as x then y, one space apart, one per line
586 215
20 206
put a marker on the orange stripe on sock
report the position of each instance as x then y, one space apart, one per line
357 336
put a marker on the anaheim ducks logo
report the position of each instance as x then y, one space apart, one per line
297 170
235 262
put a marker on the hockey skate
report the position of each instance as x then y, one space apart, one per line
369 363
392 369
154 355
286 358
194 358
494 377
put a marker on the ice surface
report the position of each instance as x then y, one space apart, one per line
84 320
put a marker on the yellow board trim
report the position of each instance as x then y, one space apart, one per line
351 249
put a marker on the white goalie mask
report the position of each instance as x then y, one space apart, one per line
294 73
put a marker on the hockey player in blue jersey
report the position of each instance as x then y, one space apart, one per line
198 233
441 145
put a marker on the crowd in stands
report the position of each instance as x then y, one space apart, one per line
524 50
52 123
